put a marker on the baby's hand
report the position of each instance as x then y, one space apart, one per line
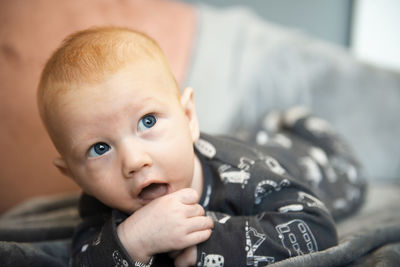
186 257
172 222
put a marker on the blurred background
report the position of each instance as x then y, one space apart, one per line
329 20
368 28
30 30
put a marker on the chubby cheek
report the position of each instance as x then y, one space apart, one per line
180 168
96 178
90 178
114 194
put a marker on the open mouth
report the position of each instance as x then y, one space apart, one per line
153 191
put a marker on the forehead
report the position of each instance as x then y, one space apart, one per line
141 78
131 87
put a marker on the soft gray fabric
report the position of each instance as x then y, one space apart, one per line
38 232
41 219
243 67
354 251
40 254
369 238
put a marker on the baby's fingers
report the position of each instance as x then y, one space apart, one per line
199 223
198 237
199 229
187 257
194 210
188 196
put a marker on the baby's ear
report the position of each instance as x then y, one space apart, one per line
190 112
61 165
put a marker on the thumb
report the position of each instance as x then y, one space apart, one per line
187 257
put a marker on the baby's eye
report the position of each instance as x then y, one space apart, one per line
98 149
146 122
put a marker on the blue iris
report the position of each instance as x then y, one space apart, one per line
98 149
147 122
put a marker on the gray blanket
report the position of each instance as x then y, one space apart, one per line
38 233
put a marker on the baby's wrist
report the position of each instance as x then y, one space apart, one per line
141 264
135 250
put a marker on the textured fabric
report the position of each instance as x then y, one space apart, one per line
324 160
242 67
41 219
380 214
355 247
49 253
96 242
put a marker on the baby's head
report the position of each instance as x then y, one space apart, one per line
114 113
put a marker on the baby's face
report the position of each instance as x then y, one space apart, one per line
128 140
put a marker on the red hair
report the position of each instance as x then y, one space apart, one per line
90 56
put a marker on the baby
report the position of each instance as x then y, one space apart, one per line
156 191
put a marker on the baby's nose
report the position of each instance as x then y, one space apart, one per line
134 158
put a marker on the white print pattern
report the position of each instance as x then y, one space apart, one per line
353 193
251 247
272 122
205 148
245 163
234 176
208 196
289 208
262 138
118 260
318 126
283 140
330 174
271 162
318 155
340 204
260 216
97 240
345 168
352 174
291 116
266 187
214 216
312 171
321 158
311 201
211 260
274 165
296 235
84 247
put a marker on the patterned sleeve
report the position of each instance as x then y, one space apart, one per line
282 218
95 242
